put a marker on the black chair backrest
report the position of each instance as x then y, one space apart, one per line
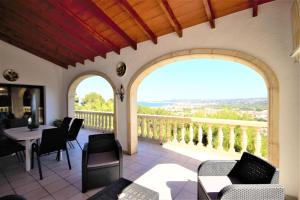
75 128
66 122
53 140
101 142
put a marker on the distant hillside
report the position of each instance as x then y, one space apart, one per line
256 104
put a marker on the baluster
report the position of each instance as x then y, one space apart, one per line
209 136
148 128
182 141
168 131
258 142
92 120
244 139
231 139
102 122
142 127
154 132
106 122
200 135
191 142
220 138
160 131
109 120
175 132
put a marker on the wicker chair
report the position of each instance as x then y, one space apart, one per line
102 161
215 182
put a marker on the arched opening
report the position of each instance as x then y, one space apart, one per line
95 116
235 56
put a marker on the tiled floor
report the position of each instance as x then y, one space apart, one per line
167 171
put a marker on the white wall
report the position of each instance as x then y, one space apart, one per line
267 37
35 71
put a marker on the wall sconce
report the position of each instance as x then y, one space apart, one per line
120 92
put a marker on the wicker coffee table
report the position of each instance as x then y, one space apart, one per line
124 189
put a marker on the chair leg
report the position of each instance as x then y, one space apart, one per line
78 144
40 167
32 158
58 156
21 156
68 158
17 156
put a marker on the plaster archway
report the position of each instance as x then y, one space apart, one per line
258 65
72 89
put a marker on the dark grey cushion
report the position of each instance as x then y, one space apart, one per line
102 159
252 170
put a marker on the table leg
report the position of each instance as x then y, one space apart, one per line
28 154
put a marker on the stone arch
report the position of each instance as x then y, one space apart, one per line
72 89
258 65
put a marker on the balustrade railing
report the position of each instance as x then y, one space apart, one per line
219 134
103 121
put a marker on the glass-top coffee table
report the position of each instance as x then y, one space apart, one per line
124 189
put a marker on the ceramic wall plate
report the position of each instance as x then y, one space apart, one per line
121 69
10 75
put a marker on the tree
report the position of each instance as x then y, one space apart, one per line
95 102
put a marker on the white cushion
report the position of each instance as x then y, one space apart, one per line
214 184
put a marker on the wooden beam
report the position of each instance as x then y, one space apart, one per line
19 28
140 22
255 8
171 17
209 13
81 28
100 14
27 48
37 24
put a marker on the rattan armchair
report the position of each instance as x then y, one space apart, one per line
102 161
214 183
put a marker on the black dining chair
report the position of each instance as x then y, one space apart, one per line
66 122
52 141
74 130
9 146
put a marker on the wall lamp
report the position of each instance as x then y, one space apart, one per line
120 92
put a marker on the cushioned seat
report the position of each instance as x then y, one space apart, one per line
214 184
102 159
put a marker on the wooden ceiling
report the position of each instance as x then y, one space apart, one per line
69 31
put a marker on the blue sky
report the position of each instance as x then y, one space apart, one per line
190 79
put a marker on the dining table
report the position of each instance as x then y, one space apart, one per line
26 137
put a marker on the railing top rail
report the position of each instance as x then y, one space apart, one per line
89 111
229 122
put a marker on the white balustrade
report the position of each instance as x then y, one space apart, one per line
160 127
103 121
180 126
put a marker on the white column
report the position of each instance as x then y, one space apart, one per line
258 143
175 132
220 138
244 139
191 134
182 141
200 135
231 139
209 137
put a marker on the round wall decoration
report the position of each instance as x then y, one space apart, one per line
10 75
121 68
